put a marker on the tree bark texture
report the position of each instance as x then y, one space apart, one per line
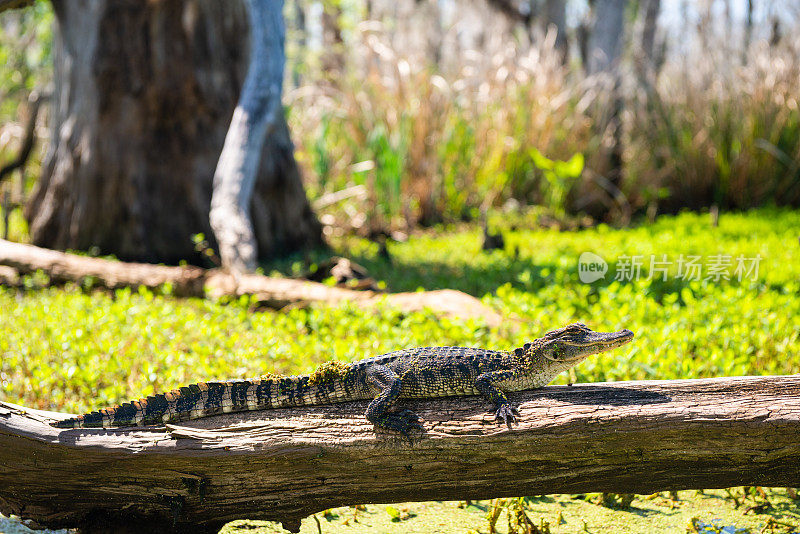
196 282
143 97
627 437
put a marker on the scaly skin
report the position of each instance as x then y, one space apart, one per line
425 372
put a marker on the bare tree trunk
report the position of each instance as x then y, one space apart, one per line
254 119
555 16
649 28
626 437
28 141
143 98
605 41
602 57
776 34
748 30
648 58
332 42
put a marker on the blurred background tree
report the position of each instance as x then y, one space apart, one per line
410 112
143 94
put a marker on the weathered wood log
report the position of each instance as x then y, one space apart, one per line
631 437
63 267
194 281
9 276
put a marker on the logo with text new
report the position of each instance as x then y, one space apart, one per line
591 267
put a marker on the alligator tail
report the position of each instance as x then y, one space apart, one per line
330 383
190 402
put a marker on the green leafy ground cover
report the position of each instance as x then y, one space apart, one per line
706 512
73 349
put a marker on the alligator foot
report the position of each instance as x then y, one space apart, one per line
506 414
404 421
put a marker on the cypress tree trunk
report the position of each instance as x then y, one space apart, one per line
144 94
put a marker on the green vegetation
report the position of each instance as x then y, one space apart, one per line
26 57
430 146
433 146
691 512
26 54
437 147
73 349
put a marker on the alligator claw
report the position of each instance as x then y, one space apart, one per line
404 421
407 414
506 414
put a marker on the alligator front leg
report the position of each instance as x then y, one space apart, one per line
486 384
381 410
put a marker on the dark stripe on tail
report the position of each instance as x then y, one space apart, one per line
125 415
214 401
239 395
264 392
155 408
187 399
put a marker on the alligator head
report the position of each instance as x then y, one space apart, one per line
575 342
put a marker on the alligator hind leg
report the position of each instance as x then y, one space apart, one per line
381 410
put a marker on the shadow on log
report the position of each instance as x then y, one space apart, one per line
191 281
284 464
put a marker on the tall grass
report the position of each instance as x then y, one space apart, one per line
432 144
434 147
720 132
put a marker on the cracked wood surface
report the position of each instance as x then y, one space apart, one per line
284 464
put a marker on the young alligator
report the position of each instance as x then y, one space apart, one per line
412 373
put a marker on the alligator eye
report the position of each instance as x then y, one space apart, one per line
518 352
527 346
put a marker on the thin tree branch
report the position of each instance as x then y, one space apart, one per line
34 101
511 10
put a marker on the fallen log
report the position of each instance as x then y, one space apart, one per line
9 276
64 267
14 4
197 282
625 437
